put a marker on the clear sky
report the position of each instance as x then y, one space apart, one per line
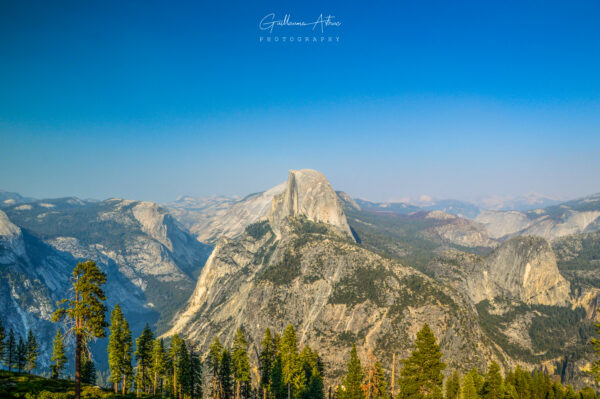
155 99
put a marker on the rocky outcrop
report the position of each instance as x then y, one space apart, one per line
308 194
524 269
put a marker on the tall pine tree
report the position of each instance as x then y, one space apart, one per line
59 358
10 351
159 363
86 309
453 386
215 354
468 389
241 366
21 357
143 355
225 380
421 376
493 387
293 375
266 360
32 352
352 383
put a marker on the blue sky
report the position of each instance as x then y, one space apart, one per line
152 100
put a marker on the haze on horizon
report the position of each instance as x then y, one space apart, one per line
153 101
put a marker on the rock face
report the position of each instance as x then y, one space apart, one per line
214 218
308 194
523 268
151 262
301 266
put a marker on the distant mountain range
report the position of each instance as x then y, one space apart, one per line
516 286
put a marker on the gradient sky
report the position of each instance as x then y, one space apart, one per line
154 99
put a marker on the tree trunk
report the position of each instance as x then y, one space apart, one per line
124 384
289 391
237 390
154 385
393 373
116 384
77 365
264 392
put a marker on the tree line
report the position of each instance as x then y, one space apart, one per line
151 366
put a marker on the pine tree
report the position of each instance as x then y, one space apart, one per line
88 369
58 354
86 308
21 357
175 358
215 354
421 376
453 386
116 344
293 376
266 360
241 366
225 381
493 387
2 343
352 382
195 375
185 374
143 355
159 363
126 357
478 380
595 370
32 352
278 387
313 372
11 351
468 389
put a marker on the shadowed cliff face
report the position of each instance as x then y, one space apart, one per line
309 194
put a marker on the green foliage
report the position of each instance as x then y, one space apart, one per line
59 359
421 375
365 283
468 389
493 387
293 375
258 230
352 383
241 365
158 366
453 386
2 343
225 381
283 272
32 352
266 359
120 349
143 354
10 350
21 358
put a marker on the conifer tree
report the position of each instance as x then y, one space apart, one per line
241 366
478 380
159 363
88 369
10 351
21 357
595 370
175 359
2 343
293 375
185 372
143 355
215 354
313 372
59 359
225 381
266 360
115 346
493 387
86 310
453 386
195 375
468 389
421 376
32 352
278 387
126 357
352 382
